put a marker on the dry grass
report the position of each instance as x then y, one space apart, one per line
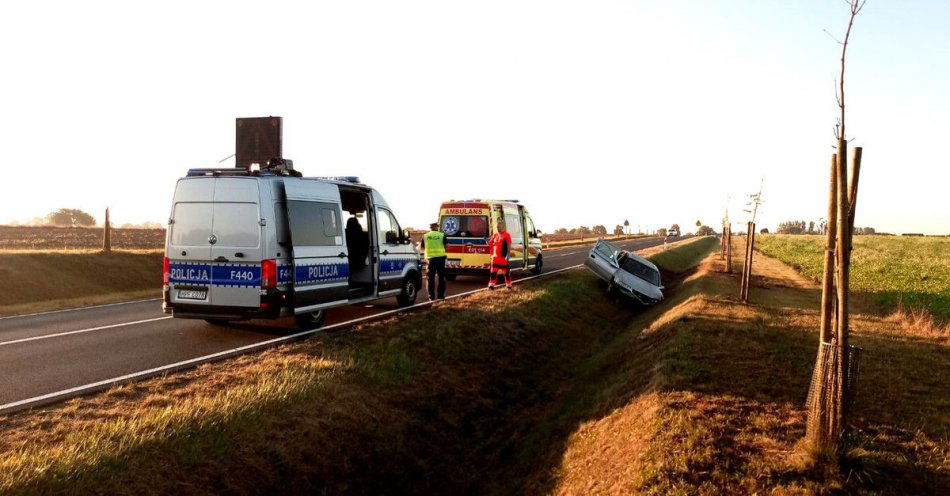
72 238
49 280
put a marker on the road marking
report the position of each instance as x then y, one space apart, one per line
77 308
80 331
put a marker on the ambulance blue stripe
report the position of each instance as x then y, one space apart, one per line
466 241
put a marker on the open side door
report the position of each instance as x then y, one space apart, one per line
320 263
603 260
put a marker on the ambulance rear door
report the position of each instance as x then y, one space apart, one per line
514 223
321 267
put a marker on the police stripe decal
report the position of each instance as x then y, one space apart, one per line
316 273
232 275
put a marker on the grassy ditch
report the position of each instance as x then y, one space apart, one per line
405 405
43 280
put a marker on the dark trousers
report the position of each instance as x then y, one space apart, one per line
436 266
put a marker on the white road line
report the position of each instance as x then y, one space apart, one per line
77 308
78 390
80 331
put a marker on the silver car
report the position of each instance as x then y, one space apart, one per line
627 273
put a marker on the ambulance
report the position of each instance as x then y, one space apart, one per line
264 243
468 224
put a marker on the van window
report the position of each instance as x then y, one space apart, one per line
237 224
465 226
192 224
386 223
314 223
513 225
532 231
280 218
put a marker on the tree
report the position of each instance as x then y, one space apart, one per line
791 227
70 217
618 231
661 232
764 230
583 231
561 230
811 227
675 227
705 231
600 230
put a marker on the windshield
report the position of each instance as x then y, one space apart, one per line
465 226
640 270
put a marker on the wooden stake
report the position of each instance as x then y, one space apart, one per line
107 234
729 249
843 256
828 280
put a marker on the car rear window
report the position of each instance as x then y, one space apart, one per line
237 224
465 226
192 224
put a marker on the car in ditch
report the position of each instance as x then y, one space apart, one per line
626 273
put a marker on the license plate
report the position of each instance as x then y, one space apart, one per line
192 294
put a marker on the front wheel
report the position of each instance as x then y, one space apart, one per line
310 320
410 290
538 264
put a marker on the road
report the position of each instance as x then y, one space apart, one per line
51 352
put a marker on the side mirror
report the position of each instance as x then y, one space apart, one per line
391 238
405 237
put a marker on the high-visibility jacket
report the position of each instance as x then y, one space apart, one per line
500 245
434 244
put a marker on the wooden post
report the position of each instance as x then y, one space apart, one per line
107 234
843 256
828 280
729 249
853 193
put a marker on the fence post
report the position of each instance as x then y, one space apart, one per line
107 234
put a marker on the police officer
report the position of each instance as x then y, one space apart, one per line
433 242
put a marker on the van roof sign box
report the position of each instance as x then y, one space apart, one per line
258 140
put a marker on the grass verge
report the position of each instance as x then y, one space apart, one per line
44 280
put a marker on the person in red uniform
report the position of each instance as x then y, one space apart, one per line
500 246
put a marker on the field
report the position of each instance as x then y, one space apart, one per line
77 238
913 272
47 280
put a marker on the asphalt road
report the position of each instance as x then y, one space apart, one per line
55 351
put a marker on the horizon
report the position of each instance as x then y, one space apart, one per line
657 113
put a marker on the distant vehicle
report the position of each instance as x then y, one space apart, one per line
250 243
624 272
673 232
468 224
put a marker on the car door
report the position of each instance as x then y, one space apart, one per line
514 223
532 239
394 253
237 248
320 263
603 260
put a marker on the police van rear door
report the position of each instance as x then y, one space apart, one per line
321 268
237 248
189 251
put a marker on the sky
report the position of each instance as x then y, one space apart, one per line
588 112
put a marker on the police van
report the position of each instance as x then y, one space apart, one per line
249 243
468 224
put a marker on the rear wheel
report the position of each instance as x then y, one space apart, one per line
537 266
310 320
410 290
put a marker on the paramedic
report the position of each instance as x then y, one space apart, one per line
433 242
500 246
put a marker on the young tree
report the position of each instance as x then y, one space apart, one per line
599 230
618 231
661 232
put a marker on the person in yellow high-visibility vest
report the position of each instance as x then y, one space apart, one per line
433 242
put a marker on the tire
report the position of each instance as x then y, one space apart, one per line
538 265
450 277
409 293
310 320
